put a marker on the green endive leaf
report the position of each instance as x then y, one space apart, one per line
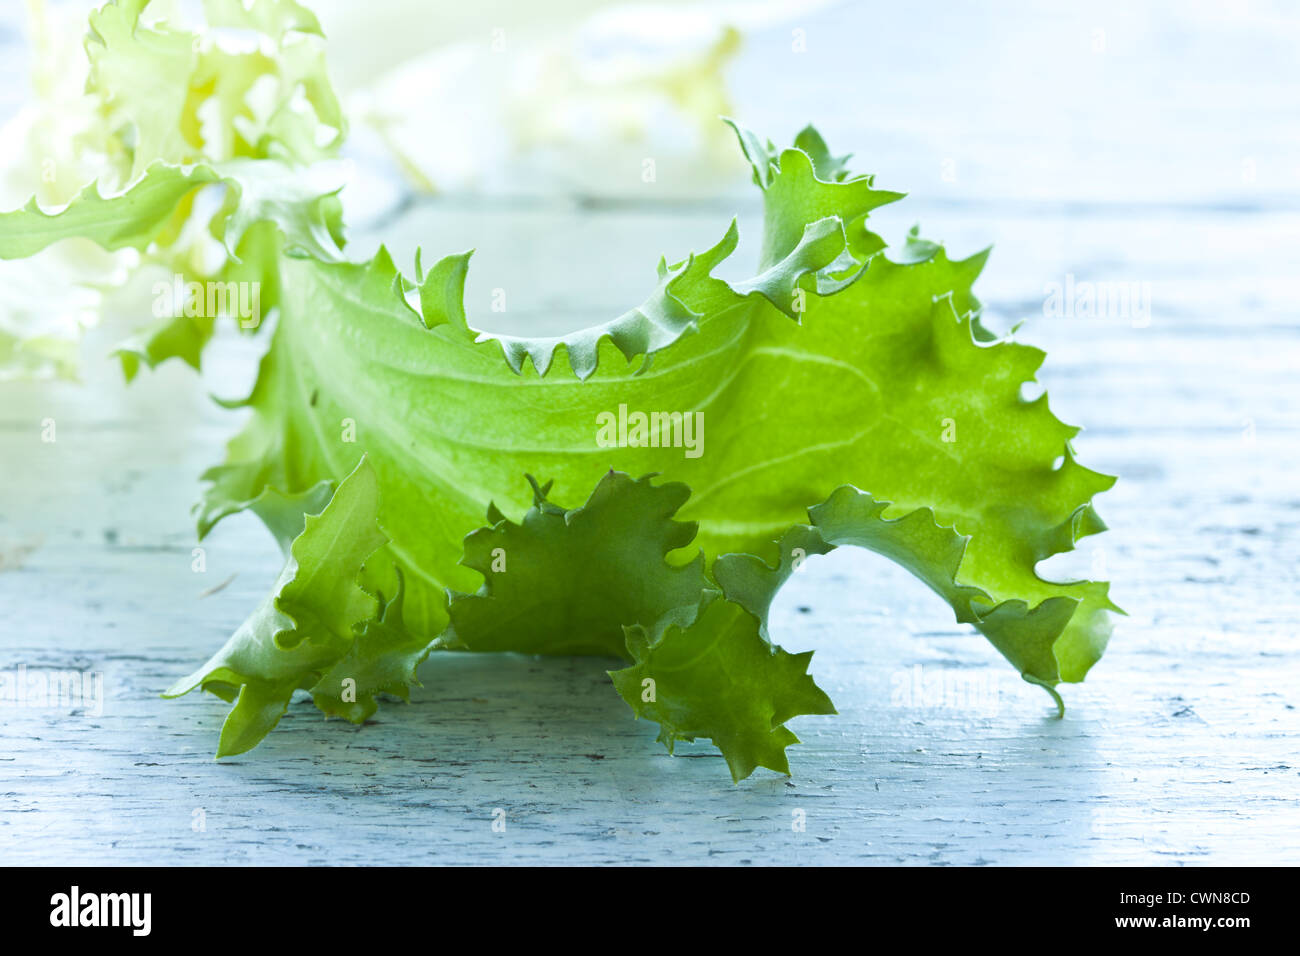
302 203
285 515
718 677
383 659
753 584
595 580
1026 636
129 219
317 630
568 582
881 385
182 337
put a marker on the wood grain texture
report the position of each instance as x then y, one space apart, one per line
1181 748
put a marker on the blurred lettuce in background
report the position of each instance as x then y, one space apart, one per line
514 97
244 97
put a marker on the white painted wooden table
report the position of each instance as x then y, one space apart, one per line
1128 164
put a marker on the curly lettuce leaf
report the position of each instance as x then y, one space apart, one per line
317 630
717 677
131 219
752 583
568 581
882 384
596 579
841 373
383 659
